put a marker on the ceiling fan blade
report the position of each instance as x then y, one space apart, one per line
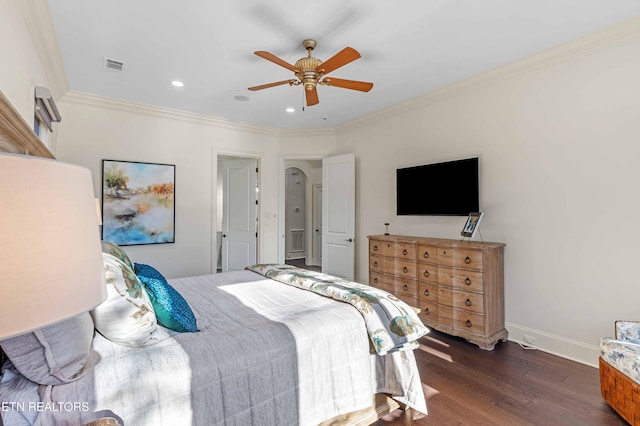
273 58
342 58
362 86
277 83
312 97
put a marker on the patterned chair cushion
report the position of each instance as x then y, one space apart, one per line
623 355
628 330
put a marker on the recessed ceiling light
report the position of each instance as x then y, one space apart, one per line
177 83
241 98
290 109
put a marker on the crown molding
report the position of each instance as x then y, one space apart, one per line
628 30
185 116
37 17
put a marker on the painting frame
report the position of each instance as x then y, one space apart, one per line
471 225
138 202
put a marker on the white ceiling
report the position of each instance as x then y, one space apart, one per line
408 48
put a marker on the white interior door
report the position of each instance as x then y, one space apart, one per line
338 215
239 222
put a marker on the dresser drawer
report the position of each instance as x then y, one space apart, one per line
465 300
402 288
377 280
461 320
428 292
376 263
377 247
400 268
428 311
405 287
402 250
459 278
460 258
427 253
427 272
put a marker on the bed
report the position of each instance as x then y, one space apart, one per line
266 353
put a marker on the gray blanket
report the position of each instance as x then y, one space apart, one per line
267 354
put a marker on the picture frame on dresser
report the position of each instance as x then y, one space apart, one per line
472 224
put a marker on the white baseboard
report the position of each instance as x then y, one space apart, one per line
556 345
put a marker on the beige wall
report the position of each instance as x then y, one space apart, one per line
21 68
558 141
97 128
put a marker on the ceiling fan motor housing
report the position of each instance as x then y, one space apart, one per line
308 75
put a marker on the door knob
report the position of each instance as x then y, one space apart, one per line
349 240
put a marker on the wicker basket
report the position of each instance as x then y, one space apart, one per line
620 392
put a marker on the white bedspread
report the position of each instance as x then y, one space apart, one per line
267 354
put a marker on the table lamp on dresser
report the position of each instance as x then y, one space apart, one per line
51 270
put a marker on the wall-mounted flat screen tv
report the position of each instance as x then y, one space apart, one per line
440 189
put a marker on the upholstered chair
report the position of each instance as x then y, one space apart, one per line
620 370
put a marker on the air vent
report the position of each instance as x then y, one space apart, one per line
113 65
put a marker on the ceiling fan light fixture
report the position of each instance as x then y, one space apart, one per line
309 71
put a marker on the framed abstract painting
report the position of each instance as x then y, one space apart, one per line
138 202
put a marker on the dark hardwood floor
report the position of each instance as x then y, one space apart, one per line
300 263
511 386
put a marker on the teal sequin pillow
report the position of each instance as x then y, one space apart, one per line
172 311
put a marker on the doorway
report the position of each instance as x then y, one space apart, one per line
302 213
295 214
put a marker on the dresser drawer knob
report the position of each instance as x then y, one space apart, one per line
375 264
467 302
426 311
426 292
468 323
375 280
404 252
405 270
467 281
405 287
375 248
426 255
444 252
467 260
426 273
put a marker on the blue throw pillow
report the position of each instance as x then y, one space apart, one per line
171 309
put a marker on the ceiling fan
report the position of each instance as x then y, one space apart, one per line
311 72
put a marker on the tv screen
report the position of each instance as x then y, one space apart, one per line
441 189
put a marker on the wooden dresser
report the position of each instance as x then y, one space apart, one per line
458 285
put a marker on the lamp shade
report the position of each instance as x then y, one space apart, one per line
50 255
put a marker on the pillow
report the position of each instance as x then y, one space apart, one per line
171 309
55 354
127 316
115 250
